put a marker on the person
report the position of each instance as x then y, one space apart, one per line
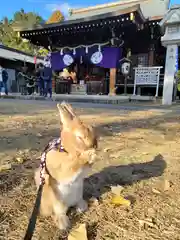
1 82
73 76
21 78
4 79
40 80
37 80
30 84
46 75
64 74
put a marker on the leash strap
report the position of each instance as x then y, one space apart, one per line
32 222
33 219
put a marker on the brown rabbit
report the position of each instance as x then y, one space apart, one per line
66 170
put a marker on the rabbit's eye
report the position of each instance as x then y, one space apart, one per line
79 138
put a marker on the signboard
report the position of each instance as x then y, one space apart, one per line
147 76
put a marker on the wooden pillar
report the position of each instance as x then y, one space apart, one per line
151 55
112 81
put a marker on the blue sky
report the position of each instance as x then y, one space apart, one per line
45 7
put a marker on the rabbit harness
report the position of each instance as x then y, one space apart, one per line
54 144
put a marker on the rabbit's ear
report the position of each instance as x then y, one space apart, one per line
65 116
69 108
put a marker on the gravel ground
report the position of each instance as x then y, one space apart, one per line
138 150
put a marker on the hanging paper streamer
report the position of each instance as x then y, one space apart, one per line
86 50
99 48
81 61
112 41
74 51
84 46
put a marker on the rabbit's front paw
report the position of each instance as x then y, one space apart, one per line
63 222
82 206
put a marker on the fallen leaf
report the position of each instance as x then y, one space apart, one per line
5 167
19 160
39 135
156 191
118 200
143 223
166 186
106 149
145 153
79 233
147 223
150 212
117 189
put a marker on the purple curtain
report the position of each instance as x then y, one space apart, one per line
110 57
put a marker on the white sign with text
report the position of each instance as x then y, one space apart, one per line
147 76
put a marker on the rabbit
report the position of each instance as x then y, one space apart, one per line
66 170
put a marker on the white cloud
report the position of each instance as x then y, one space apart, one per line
63 7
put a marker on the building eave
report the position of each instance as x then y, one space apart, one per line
15 55
68 23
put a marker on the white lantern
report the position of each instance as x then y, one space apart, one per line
125 68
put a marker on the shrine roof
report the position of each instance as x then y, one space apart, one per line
154 9
151 10
84 19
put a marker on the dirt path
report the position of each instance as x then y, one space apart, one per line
138 149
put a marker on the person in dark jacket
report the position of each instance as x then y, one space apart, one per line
40 80
46 75
4 80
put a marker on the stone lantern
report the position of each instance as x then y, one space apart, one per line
170 26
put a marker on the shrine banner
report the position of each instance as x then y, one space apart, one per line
107 57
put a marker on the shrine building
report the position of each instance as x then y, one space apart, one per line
94 41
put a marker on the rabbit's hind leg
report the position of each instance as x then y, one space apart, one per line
60 217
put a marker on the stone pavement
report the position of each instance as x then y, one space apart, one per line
103 99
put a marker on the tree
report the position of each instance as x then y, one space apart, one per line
10 38
56 17
42 52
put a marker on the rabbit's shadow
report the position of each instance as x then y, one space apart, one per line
100 182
